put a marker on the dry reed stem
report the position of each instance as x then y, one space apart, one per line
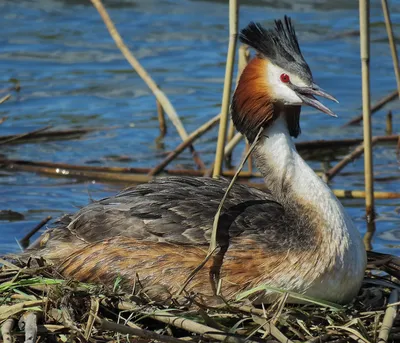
374 108
389 123
271 329
5 98
357 152
356 194
367 131
25 240
192 137
106 325
388 319
10 310
392 42
158 93
24 135
192 326
94 309
233 33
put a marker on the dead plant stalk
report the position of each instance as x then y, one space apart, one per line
364 53
233 32
158 93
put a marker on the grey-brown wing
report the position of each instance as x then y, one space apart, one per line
178 210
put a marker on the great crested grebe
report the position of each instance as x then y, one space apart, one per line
295 236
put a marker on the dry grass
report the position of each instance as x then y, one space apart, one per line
36 301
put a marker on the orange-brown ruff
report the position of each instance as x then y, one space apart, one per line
295 236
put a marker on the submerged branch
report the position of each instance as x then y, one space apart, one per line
374 108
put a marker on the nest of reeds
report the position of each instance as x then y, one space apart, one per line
37 304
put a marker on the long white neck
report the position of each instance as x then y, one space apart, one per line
292 181
299 190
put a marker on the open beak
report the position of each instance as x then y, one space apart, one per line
306 94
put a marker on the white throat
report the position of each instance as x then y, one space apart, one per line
293 182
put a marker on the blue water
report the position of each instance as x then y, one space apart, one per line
72 75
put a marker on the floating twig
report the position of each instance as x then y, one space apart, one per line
226 98
158 93
374 108
24 135
25 240
2 120
347 159
51 134
121 173
192 137
128 175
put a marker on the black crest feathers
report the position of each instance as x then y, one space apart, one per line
279 45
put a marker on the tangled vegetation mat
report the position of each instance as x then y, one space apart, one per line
38 305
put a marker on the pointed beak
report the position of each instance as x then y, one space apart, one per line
306 94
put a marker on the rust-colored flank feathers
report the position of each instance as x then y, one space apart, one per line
245 265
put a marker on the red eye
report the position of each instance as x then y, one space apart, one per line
285 78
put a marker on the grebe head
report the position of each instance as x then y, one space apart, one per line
277 77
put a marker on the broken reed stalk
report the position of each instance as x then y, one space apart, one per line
357 152
24 135
193 136
5 98
367 132
388 319
374 108
233 32
158 93
243 60
192 326
392 43
161 120
25 240
6 330
106 325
